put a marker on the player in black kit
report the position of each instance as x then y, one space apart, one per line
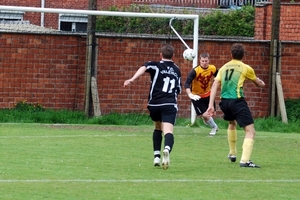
162 101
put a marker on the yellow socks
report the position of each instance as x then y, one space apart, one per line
232 138
247 150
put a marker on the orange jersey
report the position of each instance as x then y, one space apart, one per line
199 80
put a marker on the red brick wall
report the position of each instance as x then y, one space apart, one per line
124 56
49 69
183 3
42 68
290 70
289 22
33 17
31 3
51 19
289 26
104 4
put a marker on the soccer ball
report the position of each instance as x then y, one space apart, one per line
189 54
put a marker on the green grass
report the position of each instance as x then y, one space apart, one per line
46 161
27 113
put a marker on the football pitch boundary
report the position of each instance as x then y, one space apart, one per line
150 181
128 135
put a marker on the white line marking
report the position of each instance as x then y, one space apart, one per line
152 181
126 135
70 136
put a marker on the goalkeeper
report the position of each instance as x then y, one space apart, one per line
198 85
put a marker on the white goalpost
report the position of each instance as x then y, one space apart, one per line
193 17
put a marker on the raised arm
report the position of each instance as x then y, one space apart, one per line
137 74
187 85
258 82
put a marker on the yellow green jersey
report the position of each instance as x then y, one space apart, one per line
232 76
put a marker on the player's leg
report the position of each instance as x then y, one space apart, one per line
211 123
248 147
232 139
157 140
202 106
225 106
169 142
248 143
168 121
157 134
245 120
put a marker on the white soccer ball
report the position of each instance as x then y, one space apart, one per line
189 54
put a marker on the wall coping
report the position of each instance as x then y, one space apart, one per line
263 4
147 36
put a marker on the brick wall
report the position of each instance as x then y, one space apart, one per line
289 22
46 69
34 18
104 4
289 26
290 70
31 3
182 3
51 19
124 56
49 69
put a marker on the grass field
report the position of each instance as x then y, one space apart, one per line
41 161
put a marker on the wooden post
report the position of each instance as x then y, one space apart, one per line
273 79
95 96
281 99
90 58
274 56
279 72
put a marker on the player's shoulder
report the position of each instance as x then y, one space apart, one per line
212 67
248 66
147 63
197 68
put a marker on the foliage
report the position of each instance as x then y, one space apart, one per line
293 109
239 22
134 24
25 112
29 107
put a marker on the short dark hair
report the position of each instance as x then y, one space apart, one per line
237 51
167 51
204 55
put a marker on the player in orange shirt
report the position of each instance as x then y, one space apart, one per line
198 85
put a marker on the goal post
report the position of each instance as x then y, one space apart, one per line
193 17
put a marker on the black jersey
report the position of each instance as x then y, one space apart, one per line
165 83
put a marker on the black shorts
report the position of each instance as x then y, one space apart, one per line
236 109
163 113
201 105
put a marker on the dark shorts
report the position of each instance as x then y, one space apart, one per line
163 113
236 109
201 105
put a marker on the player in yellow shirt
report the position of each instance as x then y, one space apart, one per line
231 77
198 85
